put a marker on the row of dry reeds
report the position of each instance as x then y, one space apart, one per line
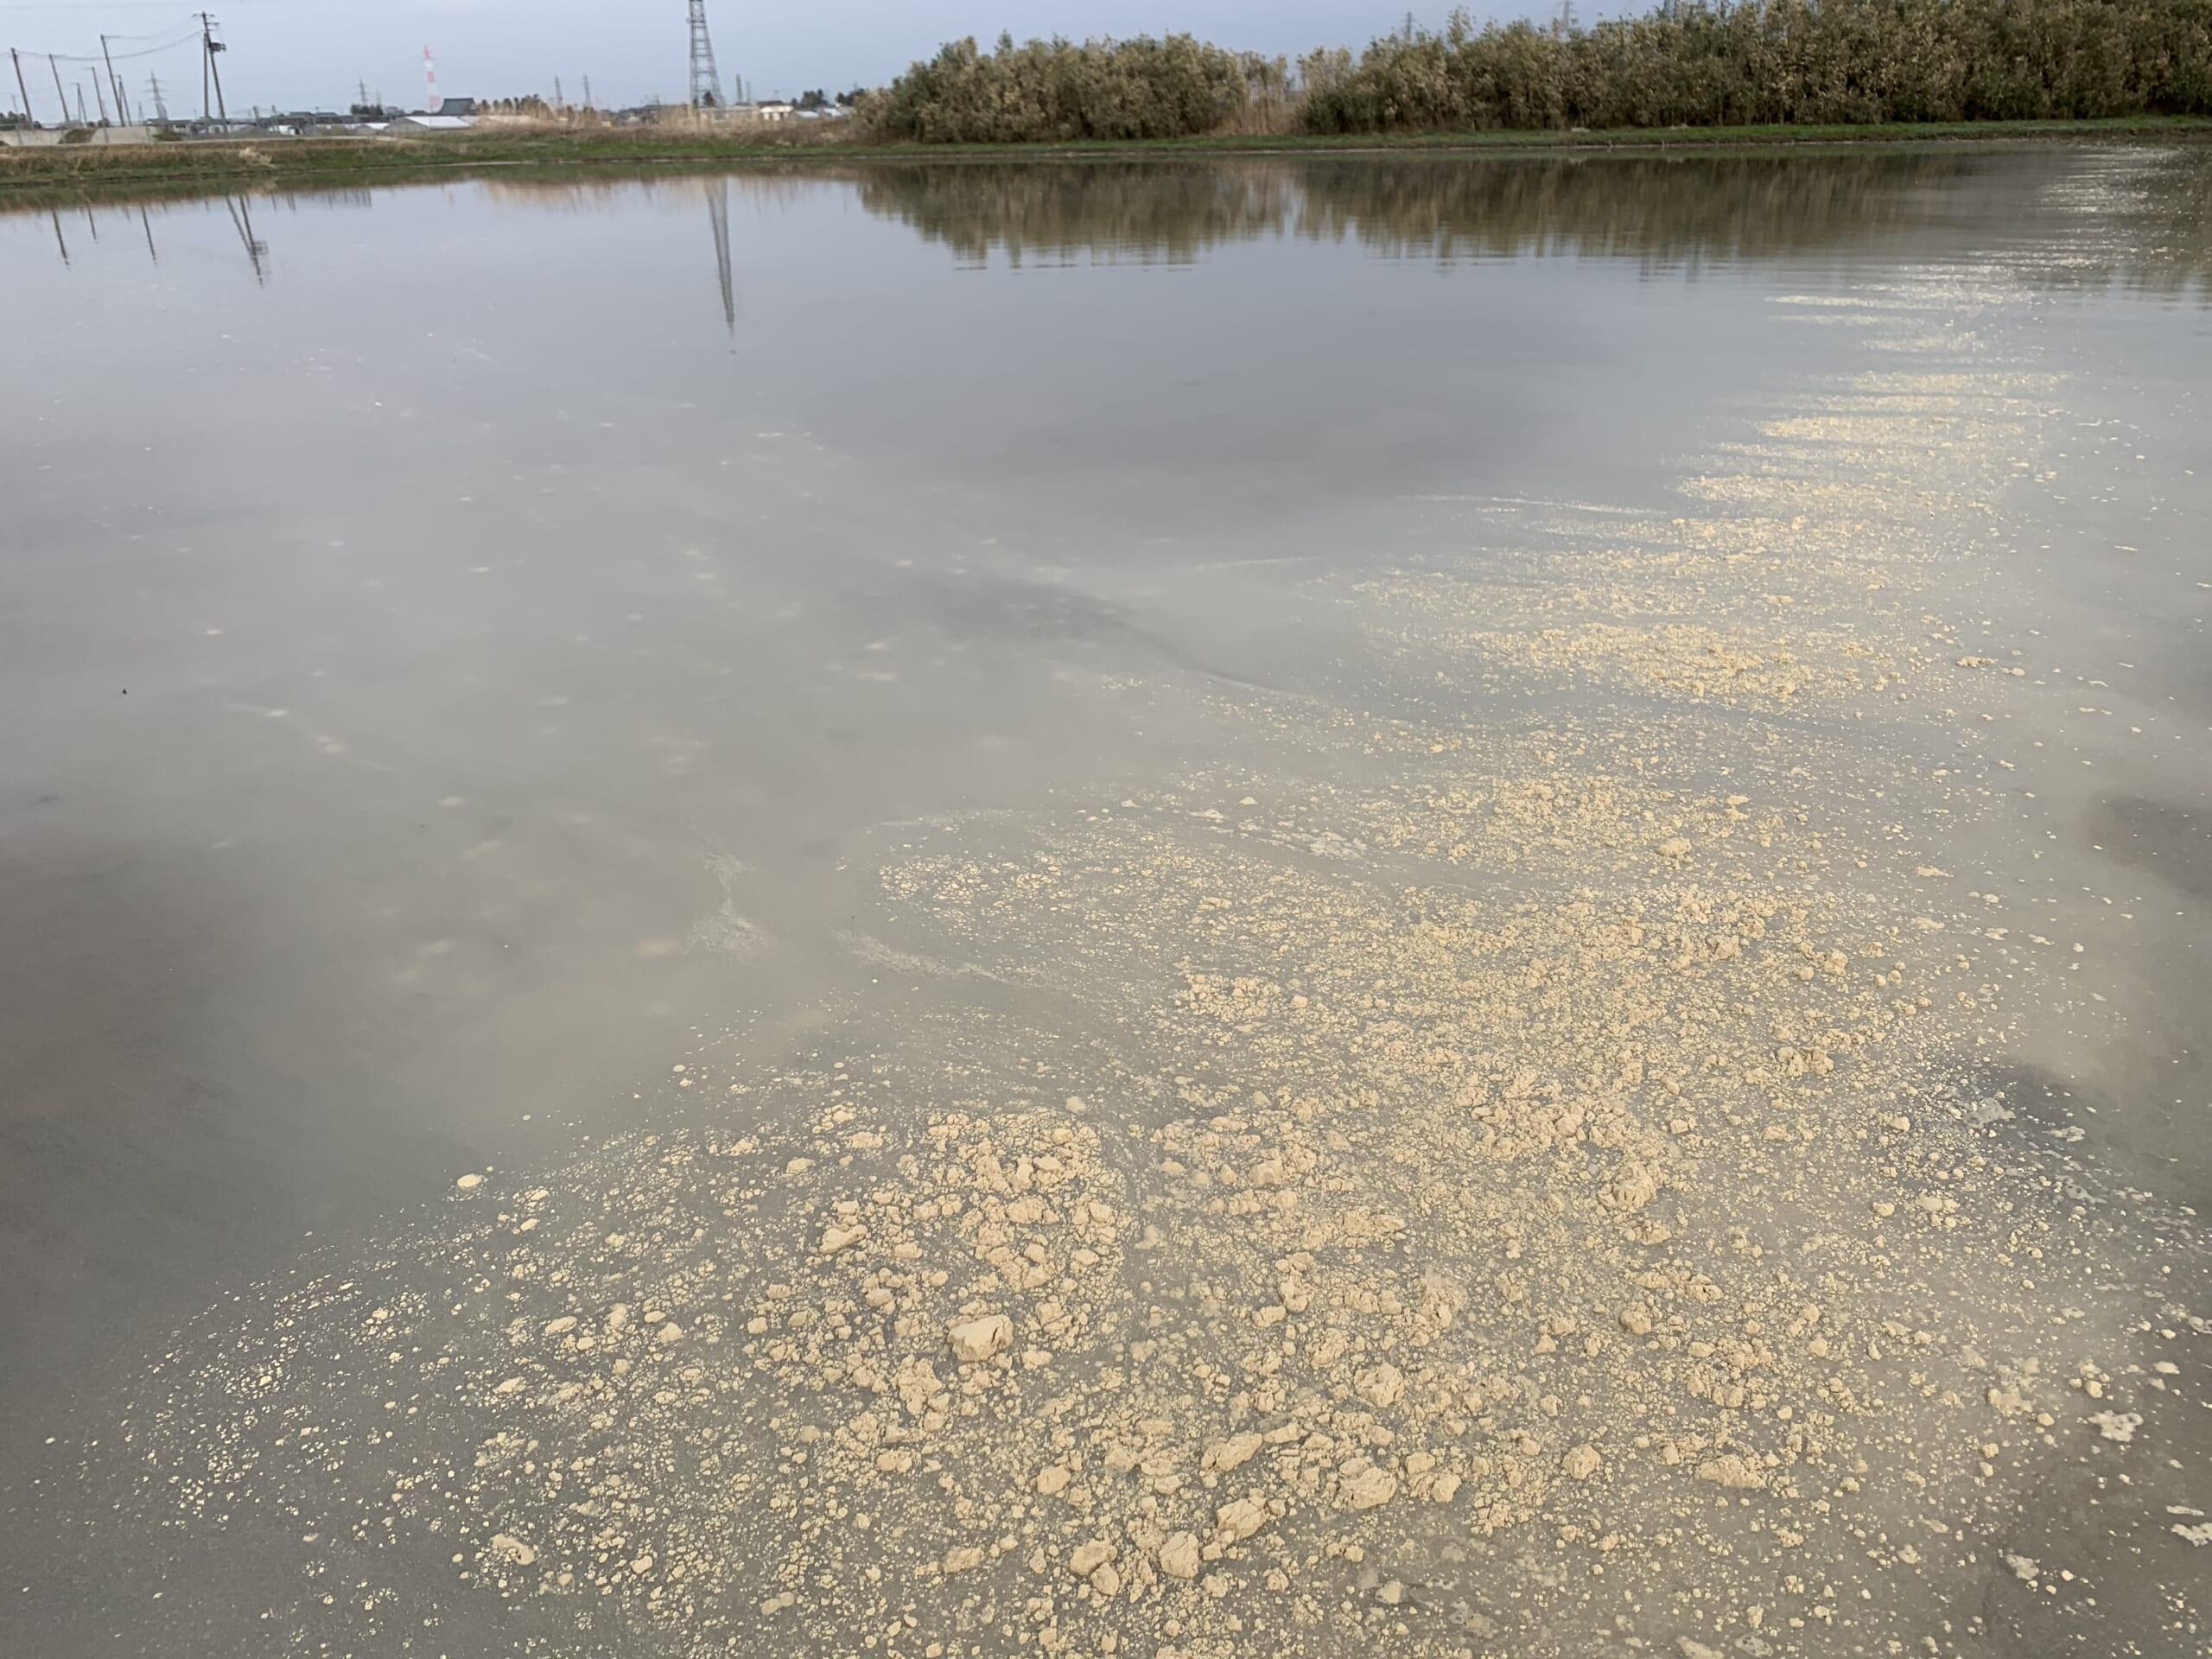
1690 63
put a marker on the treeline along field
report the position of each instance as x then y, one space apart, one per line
1744 63
1058 91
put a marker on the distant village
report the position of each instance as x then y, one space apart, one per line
447 114
113 115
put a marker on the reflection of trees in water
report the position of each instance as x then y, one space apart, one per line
1054 211
2161 204
1671 212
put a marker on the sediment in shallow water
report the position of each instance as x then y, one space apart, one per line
1446 1185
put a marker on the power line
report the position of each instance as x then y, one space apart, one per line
143 52
184 30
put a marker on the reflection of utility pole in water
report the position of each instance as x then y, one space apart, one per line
151 252
718 211
58 242
242 217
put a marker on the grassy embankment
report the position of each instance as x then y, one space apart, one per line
32 176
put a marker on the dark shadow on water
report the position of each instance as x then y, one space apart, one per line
147 1122
1006 605
2155 837
2121 1129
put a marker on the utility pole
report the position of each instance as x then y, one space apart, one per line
557 99
17 58
109 61
58 92
81 120
209 45
98 96
587 102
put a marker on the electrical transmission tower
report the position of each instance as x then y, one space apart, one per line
706 81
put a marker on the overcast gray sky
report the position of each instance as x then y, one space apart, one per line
298 53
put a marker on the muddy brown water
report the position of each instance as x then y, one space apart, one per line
1105 653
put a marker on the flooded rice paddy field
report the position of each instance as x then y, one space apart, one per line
1407 906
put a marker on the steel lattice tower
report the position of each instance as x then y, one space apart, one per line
706 81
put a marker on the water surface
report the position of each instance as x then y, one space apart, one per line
469 649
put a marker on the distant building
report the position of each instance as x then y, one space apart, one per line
777 111
430 122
